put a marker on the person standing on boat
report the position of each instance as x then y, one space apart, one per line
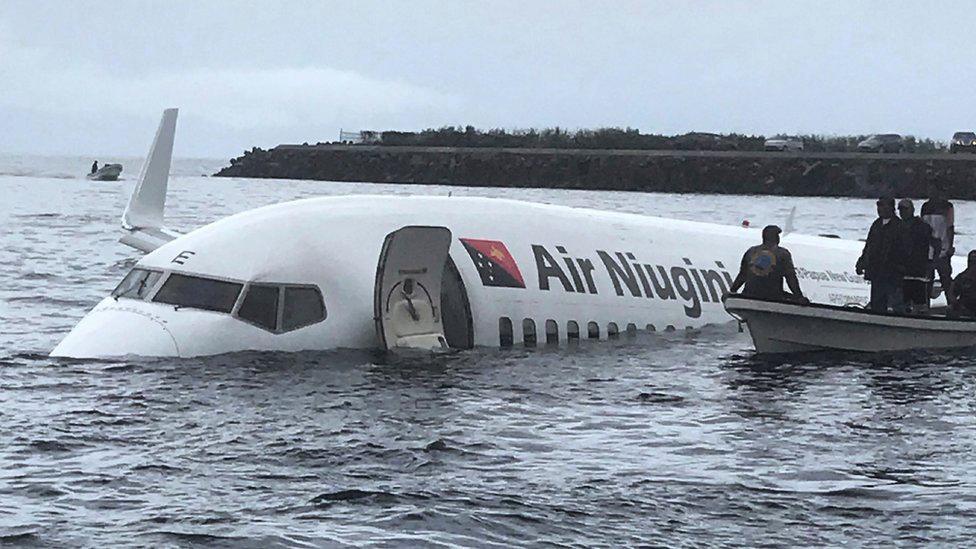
962 293
940 215
918 240
883 260
94 166
764 268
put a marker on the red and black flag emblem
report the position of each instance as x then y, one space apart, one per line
495 264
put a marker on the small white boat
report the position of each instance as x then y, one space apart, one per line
778 327
108 172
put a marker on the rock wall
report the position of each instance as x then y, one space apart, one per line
803 174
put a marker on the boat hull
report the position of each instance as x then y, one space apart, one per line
790 328
108 172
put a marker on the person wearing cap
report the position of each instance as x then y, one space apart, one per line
883 260
940 215
764 267
918 240
962 293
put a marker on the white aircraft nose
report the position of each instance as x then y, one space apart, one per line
111 331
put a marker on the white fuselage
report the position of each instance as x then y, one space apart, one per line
578 265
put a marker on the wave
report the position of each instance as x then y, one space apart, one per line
38 173
329 499
77 167
22 539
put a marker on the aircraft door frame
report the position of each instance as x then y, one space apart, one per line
407 292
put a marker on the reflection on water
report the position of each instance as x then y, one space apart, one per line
672 438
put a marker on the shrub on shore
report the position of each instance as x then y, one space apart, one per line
621 139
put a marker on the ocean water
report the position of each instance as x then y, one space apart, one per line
671 439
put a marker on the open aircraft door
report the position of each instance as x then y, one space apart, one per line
410 291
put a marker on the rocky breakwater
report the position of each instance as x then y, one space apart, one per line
726 172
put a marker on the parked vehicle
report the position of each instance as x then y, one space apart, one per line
963 142
882 142
784 143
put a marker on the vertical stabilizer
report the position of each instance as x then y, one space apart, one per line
145 209
143 217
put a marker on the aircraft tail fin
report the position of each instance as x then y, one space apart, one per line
788 226
143 217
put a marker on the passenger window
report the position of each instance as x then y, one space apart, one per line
612 331
260 306
505 337
199 293
552 332
137 284
303 306
593 330
528 332
572 330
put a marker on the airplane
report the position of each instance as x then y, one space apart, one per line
420 272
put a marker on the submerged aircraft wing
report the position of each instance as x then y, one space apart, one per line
142 222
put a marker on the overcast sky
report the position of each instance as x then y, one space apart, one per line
93 77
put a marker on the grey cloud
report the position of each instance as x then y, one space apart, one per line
256 74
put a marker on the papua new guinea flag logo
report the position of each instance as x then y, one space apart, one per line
495 264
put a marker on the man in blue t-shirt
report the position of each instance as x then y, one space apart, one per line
764 268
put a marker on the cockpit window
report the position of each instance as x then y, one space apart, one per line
260 306
303 306
137 284
199 293
281 308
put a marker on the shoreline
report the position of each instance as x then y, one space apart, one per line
862 175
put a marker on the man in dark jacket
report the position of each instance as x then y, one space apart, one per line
764 268
962 293
918 240
883 260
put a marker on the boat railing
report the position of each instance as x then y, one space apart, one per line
935 313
